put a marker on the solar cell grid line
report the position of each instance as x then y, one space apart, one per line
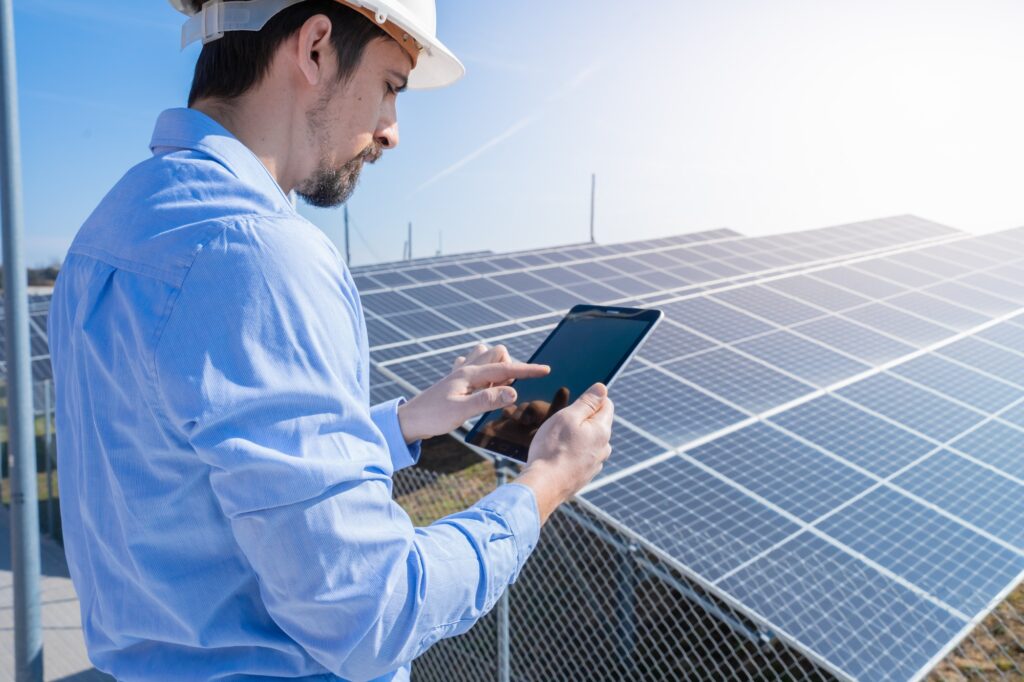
995 360
898 324
669 341
719 528
790 590
844 277
960 567
1008 335
630 446
870 443
742 382
929 262
820 294
781 309
960 382
974 299
853 339
470 315
921 453
966 490
923 411
671 411
994 284
801 358
972 258
794 477
996 444
420 373
895 272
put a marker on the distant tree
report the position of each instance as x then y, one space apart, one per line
43 276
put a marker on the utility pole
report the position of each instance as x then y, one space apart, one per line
21 441
593 191
348 251
410 241
440 242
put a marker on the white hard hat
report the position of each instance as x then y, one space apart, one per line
435 66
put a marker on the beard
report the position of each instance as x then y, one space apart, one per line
329 185
332 186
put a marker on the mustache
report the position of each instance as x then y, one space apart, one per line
372 153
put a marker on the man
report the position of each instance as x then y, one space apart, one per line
225 485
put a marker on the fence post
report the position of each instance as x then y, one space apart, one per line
626 607
503 470
21 436
48 454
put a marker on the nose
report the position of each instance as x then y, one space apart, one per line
386 134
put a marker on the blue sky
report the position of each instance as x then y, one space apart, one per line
760 116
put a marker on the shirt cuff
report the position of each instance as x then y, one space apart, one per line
517 505
385 416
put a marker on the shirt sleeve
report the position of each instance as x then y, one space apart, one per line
256 367
385 416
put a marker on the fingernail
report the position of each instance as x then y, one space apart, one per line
508 395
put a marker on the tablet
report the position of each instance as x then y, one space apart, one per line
591 344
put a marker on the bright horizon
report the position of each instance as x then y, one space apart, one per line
694 115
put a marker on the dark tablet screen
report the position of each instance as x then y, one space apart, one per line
590 344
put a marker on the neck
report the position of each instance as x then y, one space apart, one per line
269 126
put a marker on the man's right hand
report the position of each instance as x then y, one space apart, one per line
569 450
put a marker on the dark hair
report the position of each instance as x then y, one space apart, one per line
230 66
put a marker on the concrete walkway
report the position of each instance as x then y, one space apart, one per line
64 656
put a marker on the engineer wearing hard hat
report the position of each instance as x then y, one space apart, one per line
225 484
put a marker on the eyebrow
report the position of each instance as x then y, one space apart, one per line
401 77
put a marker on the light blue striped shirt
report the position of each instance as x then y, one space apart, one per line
225 485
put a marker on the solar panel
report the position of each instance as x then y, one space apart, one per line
868 526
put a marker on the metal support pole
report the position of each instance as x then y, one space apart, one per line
503 469
410 241
593 192
48 453
28 635
626 608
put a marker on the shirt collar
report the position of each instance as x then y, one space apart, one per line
191 129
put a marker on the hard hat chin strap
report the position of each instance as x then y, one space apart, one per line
217 17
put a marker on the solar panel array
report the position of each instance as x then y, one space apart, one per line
39 305
825 432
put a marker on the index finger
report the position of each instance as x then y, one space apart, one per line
503 371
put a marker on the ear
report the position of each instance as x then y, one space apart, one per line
313 45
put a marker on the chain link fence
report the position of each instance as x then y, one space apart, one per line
593 605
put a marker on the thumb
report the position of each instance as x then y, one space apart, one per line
591 401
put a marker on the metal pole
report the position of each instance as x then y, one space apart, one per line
348 250
626 610
48 453
410 241
593 191
28 635
504 650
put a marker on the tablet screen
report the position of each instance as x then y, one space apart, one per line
590 344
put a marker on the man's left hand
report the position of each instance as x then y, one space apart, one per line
478 382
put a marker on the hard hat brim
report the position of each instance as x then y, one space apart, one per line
436 67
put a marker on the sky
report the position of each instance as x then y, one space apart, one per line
760 116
